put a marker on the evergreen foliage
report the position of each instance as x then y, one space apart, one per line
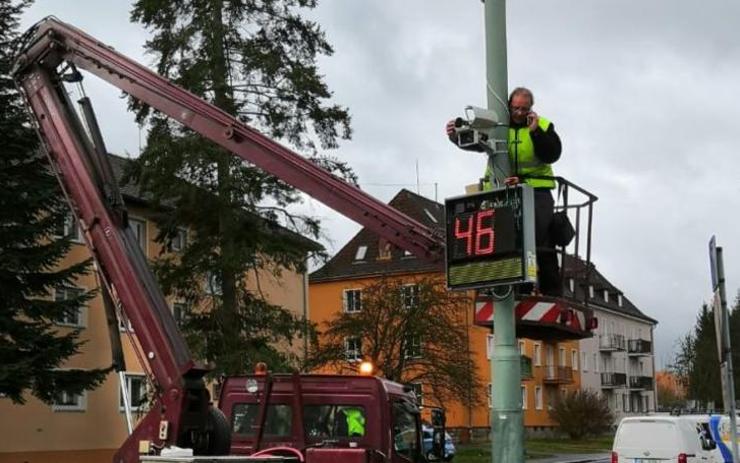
257 61
582 413
412 333
32 210
697 360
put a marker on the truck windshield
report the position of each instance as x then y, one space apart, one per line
405 437
277 422
334 421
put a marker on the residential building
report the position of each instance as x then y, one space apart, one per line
551 367
91 426
618 361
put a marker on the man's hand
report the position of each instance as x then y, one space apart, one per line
533 121
450 127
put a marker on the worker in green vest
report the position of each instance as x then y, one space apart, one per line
355 421
533 147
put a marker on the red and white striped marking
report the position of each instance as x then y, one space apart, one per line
533 309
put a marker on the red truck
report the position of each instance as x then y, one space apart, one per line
295 417
309 416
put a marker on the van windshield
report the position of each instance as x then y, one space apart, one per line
658 435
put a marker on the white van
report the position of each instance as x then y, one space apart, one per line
658 438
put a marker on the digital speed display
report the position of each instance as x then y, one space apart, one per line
488 239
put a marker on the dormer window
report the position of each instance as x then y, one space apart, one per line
572 285
591 291
361 252
619 300
384 249
430 215
606 295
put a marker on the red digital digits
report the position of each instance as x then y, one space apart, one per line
467 234
484 231
479 237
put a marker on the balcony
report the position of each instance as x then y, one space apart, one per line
611 342
526 365
641 383
639 347
612 380
558 375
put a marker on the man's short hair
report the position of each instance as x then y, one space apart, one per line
522 91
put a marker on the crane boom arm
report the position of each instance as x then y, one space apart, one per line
180 415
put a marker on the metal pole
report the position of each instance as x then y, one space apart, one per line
729 407
507 421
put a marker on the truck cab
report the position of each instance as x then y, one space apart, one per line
323 418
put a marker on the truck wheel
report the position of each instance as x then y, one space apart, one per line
219 434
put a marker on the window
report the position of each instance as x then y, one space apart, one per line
574 359
410 296
331 421
124 324
524 397
68 402
353 349
181 313
490 342
584 361
136 387
361 251
561 357
522 348
430 215
352 300
412 349
180 240
596 362
73 317
213 284
538 397
384 249
405 437
418 392
277 422
619 300
490 395
606 295
69 228
138 226
572 285
590 291
625 403
537 354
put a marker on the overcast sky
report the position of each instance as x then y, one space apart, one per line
644 95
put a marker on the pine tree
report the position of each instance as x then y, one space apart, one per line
257 61
31 211
697 362
735 343
411 331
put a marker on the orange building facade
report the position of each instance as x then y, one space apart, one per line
366 258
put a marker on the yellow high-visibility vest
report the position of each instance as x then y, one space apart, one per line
521 156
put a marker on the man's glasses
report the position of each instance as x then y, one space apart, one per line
520 109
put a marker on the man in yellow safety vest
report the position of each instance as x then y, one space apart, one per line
533 147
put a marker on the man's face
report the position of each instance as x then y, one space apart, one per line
520 107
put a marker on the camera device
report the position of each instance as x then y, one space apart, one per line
469 131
